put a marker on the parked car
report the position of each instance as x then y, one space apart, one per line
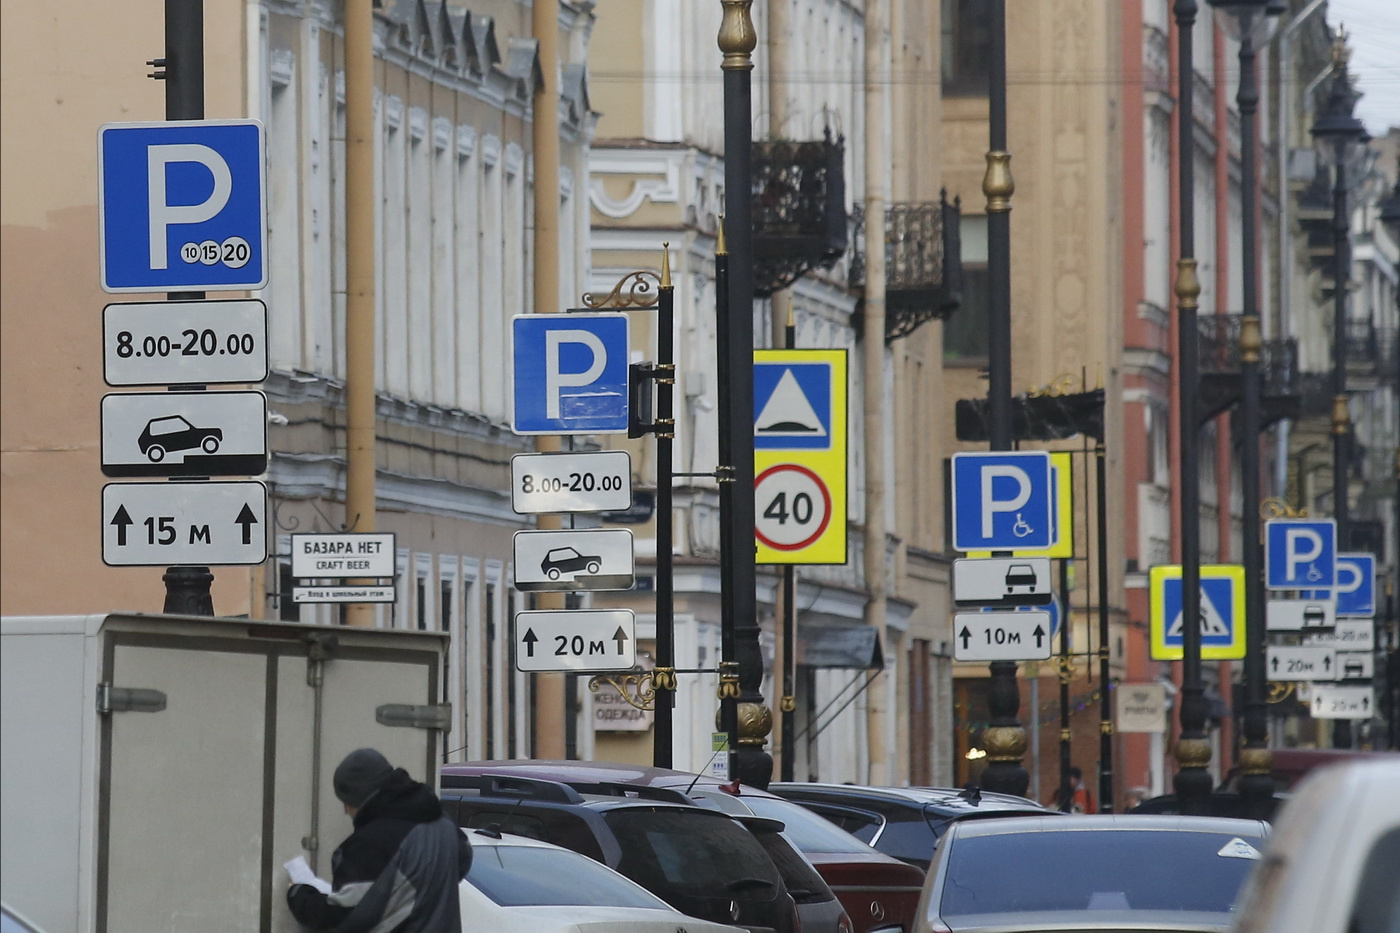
520 885
173 434
904 822
700 861
1333 863
878 892
1181 874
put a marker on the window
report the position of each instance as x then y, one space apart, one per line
967 47
965 333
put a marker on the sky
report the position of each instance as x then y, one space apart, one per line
1374 30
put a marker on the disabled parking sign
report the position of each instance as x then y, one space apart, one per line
1003 501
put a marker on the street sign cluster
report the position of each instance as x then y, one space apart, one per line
1006 502
183 209
570 376
1325 604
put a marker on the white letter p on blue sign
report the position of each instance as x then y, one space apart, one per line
1002 501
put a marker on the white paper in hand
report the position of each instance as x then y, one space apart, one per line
300 873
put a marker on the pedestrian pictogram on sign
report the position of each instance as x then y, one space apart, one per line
1222 612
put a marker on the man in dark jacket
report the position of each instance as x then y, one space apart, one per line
398 871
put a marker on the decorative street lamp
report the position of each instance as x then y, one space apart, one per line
1253 22
1338 125
1192 781
742 713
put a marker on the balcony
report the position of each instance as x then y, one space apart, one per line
799 209
1371 351
1222 385
923 264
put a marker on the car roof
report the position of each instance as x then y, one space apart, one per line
535 790
598 773
481 837
1100 822
947 798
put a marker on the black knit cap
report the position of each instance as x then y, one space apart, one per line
362 773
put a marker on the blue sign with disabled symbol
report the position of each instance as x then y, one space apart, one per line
1300 554
1355 589
182 206
1003 501
569 373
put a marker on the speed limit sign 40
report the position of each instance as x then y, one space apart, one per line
792 507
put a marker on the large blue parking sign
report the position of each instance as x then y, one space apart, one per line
182 206
1002 501
1300 554
569 373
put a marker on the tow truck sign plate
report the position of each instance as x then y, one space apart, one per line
343 556
184 434
1001 636
575 640
590 559
1006 581
173 524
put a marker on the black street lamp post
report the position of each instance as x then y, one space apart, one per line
743 715
1192 781
1339 126
1254 19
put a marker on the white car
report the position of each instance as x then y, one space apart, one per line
520 885
1333 863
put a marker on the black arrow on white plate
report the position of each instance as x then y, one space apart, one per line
529 640
1039 634
966 637
620 637
247 519
121 520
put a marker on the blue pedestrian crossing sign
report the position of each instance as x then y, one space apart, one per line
1222 613
792 405
182 206
1300 553
1003 501
569 373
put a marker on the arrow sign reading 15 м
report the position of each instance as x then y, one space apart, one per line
575 640
1001 636
170 524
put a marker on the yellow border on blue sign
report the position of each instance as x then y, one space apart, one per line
829 464
1157 621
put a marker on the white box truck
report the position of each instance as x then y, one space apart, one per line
157 771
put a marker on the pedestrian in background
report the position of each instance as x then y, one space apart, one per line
398 871
1078 799
1135 796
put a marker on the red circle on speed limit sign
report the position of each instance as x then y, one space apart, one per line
792 507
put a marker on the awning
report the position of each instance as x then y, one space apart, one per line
853 647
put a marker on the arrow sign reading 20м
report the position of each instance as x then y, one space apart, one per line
1002 636
1002 501
575 640
182 206
170 524
569 373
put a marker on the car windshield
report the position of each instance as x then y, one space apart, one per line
809 832
530 876
1104 869
679 853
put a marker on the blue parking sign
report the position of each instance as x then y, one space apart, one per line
569 373
1356 586
1003 501
182 206
1300 554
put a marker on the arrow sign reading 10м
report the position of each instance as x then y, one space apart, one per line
184 343
597 481
182 206
575 640
169 524
1001 636
1002 501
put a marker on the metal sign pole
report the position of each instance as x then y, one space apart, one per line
187 589
664 675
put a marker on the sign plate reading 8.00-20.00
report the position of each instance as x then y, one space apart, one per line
151 343
597 481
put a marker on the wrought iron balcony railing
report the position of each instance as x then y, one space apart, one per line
799 209
1221 372
923 263
1370 350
